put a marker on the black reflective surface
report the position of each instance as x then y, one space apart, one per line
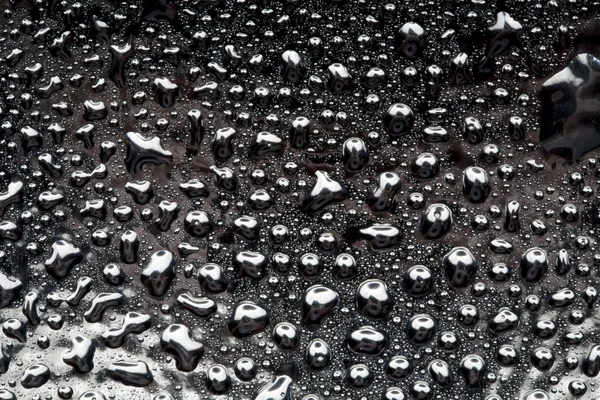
277 200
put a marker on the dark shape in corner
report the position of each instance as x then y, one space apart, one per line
570 121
